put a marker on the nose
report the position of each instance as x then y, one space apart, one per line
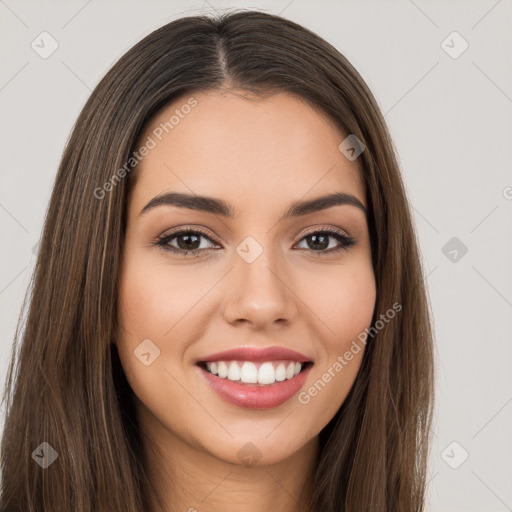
260 294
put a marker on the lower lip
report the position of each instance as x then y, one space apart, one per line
256 397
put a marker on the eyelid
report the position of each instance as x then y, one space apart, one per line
330 229
187 229
309 230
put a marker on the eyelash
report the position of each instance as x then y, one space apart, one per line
163 241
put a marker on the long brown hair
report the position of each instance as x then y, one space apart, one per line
65 385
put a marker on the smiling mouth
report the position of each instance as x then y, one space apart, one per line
257 374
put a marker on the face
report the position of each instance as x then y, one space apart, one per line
199 280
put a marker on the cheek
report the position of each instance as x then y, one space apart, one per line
150 306
345 302
160 302
153 300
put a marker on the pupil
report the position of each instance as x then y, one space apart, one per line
184 245
319 246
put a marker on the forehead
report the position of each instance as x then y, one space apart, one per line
247 149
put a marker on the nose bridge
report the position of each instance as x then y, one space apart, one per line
259 292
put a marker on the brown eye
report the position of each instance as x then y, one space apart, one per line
320 241
187 241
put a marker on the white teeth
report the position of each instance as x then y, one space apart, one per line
222 368
234 371
266 374
249 373
280 373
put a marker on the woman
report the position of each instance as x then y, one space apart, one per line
228 309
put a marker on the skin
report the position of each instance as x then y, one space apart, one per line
260 155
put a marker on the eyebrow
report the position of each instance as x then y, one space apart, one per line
220 207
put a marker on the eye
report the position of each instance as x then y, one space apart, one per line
318 241
188 241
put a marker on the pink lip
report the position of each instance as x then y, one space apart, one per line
255 397
257 354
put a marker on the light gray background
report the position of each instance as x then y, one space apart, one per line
451 122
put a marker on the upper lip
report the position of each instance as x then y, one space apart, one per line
256 354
